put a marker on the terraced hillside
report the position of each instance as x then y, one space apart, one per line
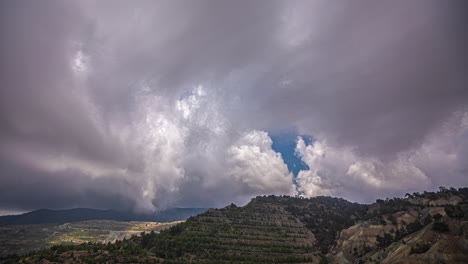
422 228
259 232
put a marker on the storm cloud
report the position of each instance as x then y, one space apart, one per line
144 105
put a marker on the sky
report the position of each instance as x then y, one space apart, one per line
145 105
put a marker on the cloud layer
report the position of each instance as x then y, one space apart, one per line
438 161
148 104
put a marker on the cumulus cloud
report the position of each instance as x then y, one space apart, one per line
439 161
149 104
340 171
253 162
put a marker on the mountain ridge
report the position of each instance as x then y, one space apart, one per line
50 216
428 227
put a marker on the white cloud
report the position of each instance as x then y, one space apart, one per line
79 63
340 171
172 145
162 115
444 152
254 163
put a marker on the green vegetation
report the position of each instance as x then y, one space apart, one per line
441 227
420 248
454 211
272 229
25 238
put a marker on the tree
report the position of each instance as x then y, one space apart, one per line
440 227
454 211
437 217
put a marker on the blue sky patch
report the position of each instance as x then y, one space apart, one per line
285 143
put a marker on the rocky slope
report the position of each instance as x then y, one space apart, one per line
429 230
421 228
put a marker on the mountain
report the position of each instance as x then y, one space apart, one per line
46 216
429 227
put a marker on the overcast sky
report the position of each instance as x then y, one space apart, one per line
144 105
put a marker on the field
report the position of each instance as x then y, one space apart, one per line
25 238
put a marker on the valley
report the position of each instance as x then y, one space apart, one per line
21 239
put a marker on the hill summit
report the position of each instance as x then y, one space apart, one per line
429 227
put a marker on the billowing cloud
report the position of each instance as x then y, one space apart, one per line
253 162
340 171
438 161
149 104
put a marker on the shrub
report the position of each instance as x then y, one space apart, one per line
440 227
454 211
420 248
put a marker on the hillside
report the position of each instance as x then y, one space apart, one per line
421 228
46 216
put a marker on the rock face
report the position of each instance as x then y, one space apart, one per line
429 246
422 228
360 244
428 230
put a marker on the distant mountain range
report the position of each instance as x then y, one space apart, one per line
47 216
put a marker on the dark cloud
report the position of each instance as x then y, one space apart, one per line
150 104
380 77
39 101
30 188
